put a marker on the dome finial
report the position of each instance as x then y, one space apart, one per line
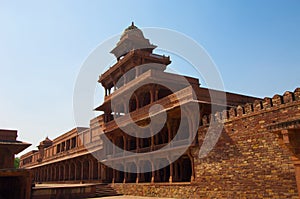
132 23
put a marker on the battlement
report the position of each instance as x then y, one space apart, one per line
252 108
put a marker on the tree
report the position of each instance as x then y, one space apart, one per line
17 162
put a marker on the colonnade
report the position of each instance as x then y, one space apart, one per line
76 169
120 141
141 97
182 170
143 171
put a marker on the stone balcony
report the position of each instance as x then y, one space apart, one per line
177 99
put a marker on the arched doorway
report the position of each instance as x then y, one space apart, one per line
78 170
67 172
146 171
62 173
163 174
73 171
131 176
132 104
119 173
187 169
86 170
183 169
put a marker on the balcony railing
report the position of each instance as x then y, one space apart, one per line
177 145
168 102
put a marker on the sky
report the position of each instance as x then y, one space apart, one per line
43 44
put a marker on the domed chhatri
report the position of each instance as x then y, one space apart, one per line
131 39
131 27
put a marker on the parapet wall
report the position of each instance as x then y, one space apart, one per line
250 109
249 161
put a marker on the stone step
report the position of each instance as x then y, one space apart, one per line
105 190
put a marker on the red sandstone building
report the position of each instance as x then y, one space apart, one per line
256 155
14 183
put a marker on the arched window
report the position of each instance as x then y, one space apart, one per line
163 93
146 99
132 104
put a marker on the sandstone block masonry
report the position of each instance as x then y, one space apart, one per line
250 158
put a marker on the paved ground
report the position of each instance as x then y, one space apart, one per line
130 197
61 185
87 184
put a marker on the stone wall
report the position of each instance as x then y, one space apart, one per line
157 190
249 160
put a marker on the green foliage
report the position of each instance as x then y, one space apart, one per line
17 162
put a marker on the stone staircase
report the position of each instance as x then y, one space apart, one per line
104 190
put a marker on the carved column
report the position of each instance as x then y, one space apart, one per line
125 143
152 95
152 140
114 145
193 165
91 171
81 176
153 172
170 133
171 171
137 102
126 108
137 143
125 173
156 95
137 173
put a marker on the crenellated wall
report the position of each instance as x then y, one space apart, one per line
249 109
249 160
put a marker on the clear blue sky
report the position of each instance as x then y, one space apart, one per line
255 45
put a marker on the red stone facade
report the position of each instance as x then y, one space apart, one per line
255 157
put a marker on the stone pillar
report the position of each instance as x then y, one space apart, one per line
193 166
75 172
137 143
114 145
69 174
103 174
152 139
114 176
54 173
169 128
125 173
137 102
156 95
81 176
50 173
152 95
153 172
90 169
115 86
137 173
181 170
59 173
99 171
126 108
171 172
137 71
125 143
